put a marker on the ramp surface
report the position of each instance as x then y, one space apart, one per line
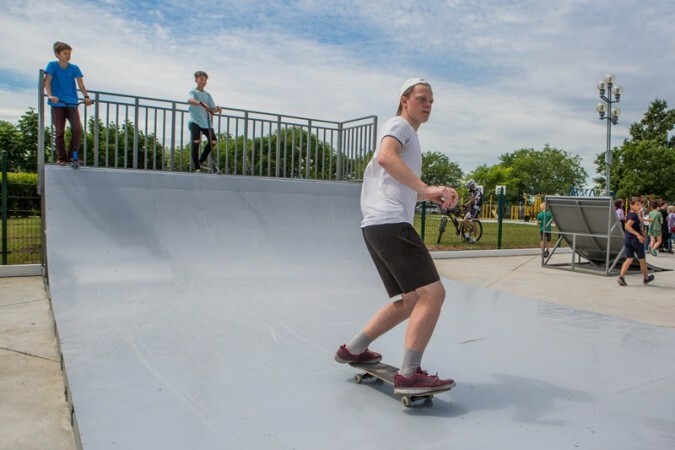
201 311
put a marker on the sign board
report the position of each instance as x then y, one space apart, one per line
500 187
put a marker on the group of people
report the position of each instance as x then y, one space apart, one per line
649 226
62 78
392 186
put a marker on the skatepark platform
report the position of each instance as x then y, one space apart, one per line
202 311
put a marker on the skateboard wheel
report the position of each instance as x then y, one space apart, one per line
358 378
405 401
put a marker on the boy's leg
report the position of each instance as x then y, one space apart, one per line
59 121
196 138
210 143
73 117
424 316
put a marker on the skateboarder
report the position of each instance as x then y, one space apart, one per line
391 187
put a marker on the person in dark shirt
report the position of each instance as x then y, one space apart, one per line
633 244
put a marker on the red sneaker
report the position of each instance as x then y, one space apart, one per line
343 356
420 382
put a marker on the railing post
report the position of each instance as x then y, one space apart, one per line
41 133
173 137
338 171
4 195
97 131
500 217
308 160
136 112
244 169
278 165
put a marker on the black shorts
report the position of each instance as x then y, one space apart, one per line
401 258
547 235
633 248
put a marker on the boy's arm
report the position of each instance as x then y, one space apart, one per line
48 89
390 160
80 84
629 228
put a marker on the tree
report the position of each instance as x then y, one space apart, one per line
438 170
657 122
644 163
491 176
546 171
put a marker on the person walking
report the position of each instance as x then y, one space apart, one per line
633 244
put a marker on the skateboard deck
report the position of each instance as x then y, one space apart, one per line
386 373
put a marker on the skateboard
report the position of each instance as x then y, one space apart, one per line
386 373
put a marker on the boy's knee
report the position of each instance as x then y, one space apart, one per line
196 141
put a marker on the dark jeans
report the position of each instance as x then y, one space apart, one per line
196 138
59 117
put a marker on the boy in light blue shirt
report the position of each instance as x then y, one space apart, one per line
202 107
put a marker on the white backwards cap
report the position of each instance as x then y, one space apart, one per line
410 82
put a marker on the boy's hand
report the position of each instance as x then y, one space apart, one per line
87 101
444 196
53 99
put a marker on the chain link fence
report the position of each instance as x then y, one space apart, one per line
21 222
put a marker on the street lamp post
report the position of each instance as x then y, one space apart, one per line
611 114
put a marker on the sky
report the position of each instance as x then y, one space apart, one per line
505 74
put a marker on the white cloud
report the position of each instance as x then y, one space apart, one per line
506 75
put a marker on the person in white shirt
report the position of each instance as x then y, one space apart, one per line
391 188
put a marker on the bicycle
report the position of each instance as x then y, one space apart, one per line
457 217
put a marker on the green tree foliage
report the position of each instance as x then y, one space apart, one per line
644 163
491 176
21 142
547 171
438 170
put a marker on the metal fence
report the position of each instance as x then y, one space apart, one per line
20 218
134 132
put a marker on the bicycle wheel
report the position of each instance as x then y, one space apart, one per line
441 228
474 234
477 230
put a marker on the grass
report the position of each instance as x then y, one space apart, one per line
515 234
23 240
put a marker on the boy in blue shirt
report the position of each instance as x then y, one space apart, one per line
633 243
60 80
201 108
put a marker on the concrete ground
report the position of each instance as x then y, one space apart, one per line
34 412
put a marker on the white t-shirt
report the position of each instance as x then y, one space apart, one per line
383 199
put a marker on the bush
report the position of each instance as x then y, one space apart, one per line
22 197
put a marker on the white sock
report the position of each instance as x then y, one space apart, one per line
411 361
359 344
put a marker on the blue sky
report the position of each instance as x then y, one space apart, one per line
506 74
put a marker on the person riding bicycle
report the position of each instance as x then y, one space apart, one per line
475 204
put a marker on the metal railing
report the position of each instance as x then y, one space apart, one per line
135 132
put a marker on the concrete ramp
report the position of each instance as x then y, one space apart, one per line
202 312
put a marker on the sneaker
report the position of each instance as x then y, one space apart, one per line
61 162
621 281
343 356
472 240
420 382
546 254
655 253
648 280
